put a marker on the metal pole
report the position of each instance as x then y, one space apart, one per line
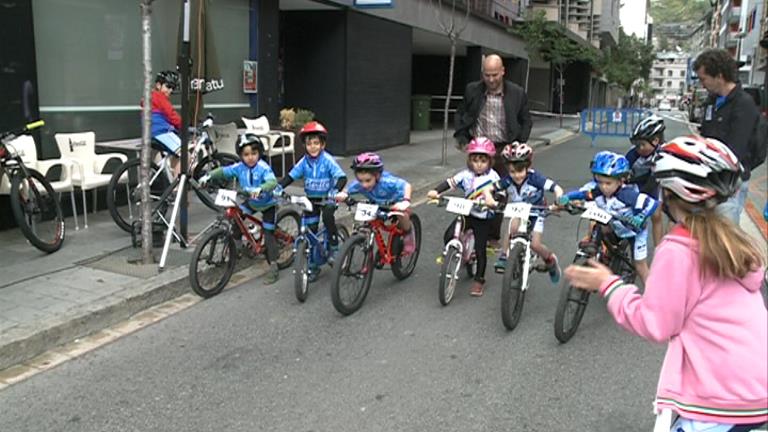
180 193
185 65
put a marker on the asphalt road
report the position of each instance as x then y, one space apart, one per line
254 359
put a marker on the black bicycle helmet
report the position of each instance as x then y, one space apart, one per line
249 139
648 128
169 78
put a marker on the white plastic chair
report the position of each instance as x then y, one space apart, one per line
279 143
24 145
81 149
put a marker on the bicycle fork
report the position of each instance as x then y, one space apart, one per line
526 261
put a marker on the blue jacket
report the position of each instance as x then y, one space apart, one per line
388 190
530 191
320 174
248 179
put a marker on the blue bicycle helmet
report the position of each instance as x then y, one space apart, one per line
609 164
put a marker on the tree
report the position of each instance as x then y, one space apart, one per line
549 40
631 59
146 137
672 11
453 30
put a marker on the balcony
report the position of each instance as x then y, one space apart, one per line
504 11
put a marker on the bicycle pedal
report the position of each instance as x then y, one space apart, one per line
499 270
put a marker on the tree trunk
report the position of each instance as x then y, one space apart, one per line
444 158
562 96
146 150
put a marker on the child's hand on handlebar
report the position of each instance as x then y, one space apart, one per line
401 205
433 194
342 196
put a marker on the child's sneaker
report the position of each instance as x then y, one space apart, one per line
333 250
272 274
477 289
554 269
313 274
501 264
409 242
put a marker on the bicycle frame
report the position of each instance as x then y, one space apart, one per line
314 240
523 236
377 228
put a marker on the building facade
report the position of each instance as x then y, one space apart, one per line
669 76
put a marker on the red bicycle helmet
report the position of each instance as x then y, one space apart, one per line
313 128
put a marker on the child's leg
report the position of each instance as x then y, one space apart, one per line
404 221
329 220
481 229
640 253
550 259
506 228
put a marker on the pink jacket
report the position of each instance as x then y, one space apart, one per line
716 366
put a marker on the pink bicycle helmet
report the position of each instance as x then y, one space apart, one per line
697 169
481 145
517 153
368 161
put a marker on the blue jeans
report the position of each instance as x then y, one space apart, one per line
733 207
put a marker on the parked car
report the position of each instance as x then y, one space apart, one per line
665 106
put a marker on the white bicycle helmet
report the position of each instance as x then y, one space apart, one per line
648 128
697 169
517 152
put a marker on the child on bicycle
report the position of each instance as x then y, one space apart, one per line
523 184
383 188
256 178
702 297
609 191
476 181
166 122
647 136
323 179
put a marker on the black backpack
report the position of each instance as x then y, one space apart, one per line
758 144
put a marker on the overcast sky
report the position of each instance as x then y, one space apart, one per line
632 17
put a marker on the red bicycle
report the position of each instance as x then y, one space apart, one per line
376 241
235 231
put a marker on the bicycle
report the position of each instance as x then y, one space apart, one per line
204 157
214 259
35 207
311 250
521 260
367 243
605 247
460 250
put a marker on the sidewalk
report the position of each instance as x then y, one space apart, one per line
88 285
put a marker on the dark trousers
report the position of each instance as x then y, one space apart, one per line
268 217
329 219
480 229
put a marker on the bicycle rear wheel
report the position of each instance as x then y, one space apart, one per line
352 274
207 193
403 266
125 186
37 211
512 294
287 228
213 263
570 307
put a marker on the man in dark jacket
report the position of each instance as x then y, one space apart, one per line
730 116
494 108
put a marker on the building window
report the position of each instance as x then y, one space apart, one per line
669 83
682 74
669 73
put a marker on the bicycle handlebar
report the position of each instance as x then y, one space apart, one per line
25 130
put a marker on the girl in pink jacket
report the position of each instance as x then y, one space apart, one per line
702 297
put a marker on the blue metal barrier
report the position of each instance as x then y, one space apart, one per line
597 122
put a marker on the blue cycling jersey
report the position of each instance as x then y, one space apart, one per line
388 190
320 174
530 191
626 202
250 178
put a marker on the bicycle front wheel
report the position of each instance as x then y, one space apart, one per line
37 211
449 274
125 187
404 265
352 274
287 228
301 270
570 307
213 263
512 294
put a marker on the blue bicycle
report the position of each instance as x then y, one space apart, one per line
312 250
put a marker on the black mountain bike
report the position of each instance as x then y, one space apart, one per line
34 203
